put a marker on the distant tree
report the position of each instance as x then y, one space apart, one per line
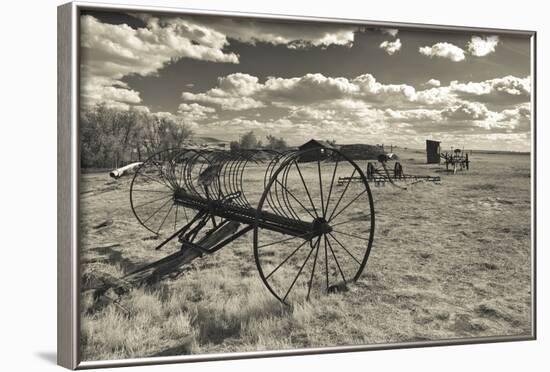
249 141
163 132
178 133
93 136
234 146
275 143
109 136
331 142
105 135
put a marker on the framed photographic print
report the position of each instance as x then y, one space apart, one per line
236 185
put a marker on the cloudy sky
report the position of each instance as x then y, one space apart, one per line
354 84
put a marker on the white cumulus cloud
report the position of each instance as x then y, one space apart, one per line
504 86
391 47
292 35
481 46
443 50
433 83
466 111
111 52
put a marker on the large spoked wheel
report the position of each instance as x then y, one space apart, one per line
153 188
319 187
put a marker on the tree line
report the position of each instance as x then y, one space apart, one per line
250 141
111 137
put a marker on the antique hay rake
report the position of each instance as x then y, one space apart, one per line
457 160
379 173
309 236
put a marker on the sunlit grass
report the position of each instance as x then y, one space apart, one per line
448 261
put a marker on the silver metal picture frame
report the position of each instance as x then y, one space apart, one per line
378 172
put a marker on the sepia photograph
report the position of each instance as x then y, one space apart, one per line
253 184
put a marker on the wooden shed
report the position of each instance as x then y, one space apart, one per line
312 155
432 151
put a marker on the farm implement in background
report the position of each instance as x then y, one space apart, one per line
379 173
456 160
308 235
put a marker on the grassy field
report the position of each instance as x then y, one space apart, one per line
448 261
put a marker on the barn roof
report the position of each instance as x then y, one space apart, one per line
318 143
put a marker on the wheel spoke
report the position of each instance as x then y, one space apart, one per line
330 190
335 259
185 213
347 205
347 221
286 259
313 269
345 249
165 217
299 202
284 240
326 261
350 235
307 190
152 201
161 172
155 180
343 193
162 206
321 187
176 217
299 272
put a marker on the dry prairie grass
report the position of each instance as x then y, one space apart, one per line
448 261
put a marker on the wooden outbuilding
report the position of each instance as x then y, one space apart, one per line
432 151
313 155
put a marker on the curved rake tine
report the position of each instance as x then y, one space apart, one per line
243 196
291 194
267 176
288 204
283 208
307 190
278 195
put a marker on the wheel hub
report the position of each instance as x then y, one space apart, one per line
321 226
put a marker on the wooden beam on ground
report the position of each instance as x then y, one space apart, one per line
166 266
